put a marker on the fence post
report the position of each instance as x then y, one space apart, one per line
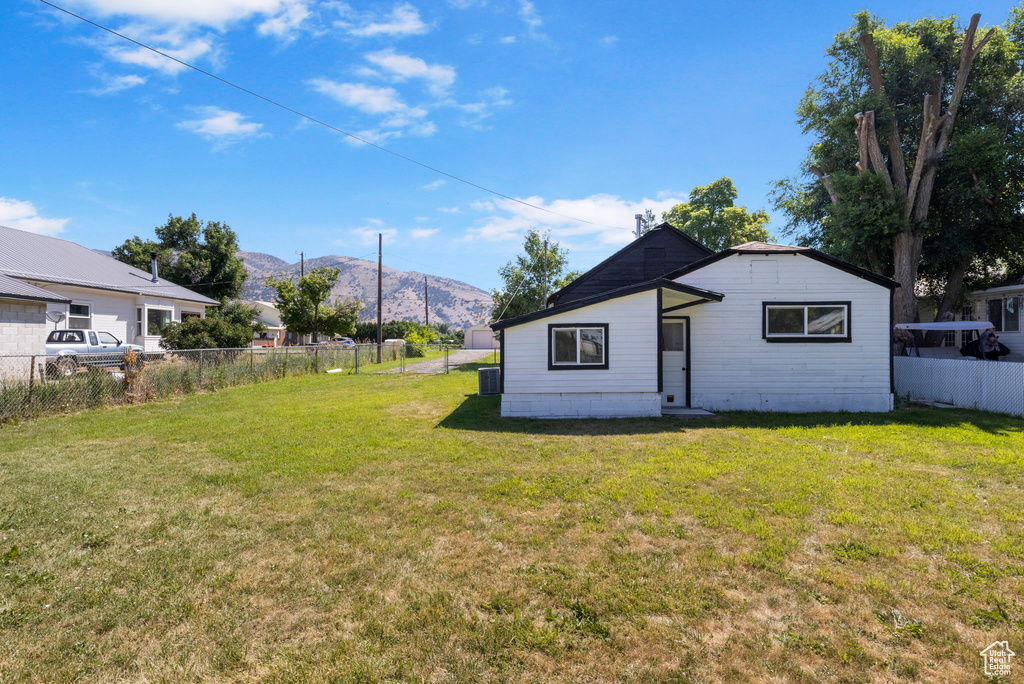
250 361
357 359
200 369
31 378
316 359
446 359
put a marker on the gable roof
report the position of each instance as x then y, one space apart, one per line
15 289
28 256
657 234
705 295
772 248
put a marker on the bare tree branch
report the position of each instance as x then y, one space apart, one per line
826 180
896 158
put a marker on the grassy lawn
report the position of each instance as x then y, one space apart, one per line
382 528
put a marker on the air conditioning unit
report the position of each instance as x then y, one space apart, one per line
490 380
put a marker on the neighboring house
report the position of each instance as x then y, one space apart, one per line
480 337
90 289
1001 304
758 327
276 334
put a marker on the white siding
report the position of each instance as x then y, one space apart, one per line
733 368
627 387
111 311
1013 340
114 312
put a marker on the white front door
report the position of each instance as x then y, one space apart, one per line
673 363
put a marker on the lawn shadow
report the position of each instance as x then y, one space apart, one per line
483 414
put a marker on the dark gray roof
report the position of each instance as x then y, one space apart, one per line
28 256
15 289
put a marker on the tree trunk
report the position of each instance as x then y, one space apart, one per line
954 283
906 255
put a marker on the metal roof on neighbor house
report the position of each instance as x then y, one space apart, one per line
15 289
28 256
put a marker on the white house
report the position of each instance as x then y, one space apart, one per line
90 289
757 327
276 334
1001 304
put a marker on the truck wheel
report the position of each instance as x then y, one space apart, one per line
65 367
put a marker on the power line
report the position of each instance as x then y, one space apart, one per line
323 123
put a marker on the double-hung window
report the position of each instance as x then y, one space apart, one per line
80 316
577 346
806 321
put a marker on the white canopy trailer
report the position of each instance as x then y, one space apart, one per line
947 326
944 326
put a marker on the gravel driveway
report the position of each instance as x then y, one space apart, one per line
455 358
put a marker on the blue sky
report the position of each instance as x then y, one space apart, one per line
594 109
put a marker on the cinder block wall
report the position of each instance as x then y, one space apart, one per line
23 327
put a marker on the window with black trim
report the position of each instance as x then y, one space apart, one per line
577 346
806 321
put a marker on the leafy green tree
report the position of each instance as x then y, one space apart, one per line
524 277
914 167
201 256
229 326
712 218
648 221
306 308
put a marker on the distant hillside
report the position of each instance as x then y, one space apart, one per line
451 301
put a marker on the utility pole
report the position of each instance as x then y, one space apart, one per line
302 264
544 302
380 289
426 302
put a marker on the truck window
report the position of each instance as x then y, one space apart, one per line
107 338
92 338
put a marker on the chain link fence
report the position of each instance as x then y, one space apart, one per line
36 385
996 386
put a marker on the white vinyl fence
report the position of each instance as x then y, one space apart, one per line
996 386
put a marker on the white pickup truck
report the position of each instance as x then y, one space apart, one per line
69 350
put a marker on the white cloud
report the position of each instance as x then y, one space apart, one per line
214 13
438 77
608 41
366 98
115 84
507 40
24 216
367 235
611 218
475 112
222 126
434 185
422 233
404 20
528 13
396 117
175 45
448 210
422 218
284 25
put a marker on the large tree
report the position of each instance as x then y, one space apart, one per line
306 307
229 326
524 278
199 255
915 167
712 218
